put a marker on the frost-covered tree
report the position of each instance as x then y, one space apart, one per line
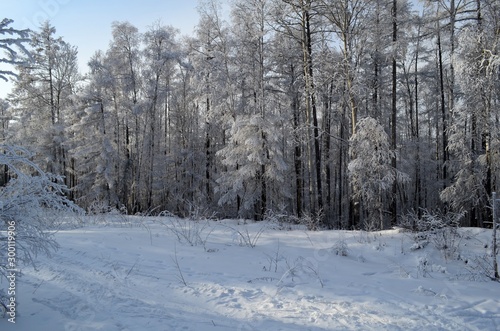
214 78
32 206
252 155
371 172
299 20
160 56
41 98
254 146
474 138
124 59
95 139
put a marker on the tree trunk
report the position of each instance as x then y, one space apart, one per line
444 128
297 156
208 156
327 147
311 96
418 180
394 206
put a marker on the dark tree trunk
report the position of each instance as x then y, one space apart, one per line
394 206
317 138
444 128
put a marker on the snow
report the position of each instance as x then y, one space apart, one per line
120 273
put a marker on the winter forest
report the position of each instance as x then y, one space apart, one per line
350 114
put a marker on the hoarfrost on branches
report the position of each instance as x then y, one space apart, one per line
12 43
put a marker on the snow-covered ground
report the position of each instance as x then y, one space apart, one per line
135 274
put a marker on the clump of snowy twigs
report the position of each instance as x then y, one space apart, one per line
478 268
300 268
280 220
191 232
246 237
274 259
180 275
313 222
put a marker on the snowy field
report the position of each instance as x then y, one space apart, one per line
135 273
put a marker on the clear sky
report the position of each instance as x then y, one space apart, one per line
87 23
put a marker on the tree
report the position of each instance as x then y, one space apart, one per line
41 98
124 62
394 107
251 31
474 137
161 53
214 80
371 171
33 206
28 195
254 146
347 19
299 21
94 142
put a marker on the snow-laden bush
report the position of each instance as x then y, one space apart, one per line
340 248
32 207
440 230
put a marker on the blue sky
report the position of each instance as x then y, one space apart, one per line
87 23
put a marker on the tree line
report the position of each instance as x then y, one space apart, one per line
352 112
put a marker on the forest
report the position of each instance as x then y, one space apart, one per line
344 113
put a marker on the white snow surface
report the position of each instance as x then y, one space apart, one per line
120 273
